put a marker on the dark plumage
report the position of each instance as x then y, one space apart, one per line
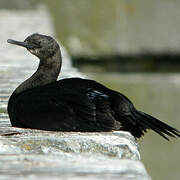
74 104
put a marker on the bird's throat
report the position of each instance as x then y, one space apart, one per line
46 73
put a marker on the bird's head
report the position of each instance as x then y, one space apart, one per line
39 45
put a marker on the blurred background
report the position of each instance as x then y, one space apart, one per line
130 46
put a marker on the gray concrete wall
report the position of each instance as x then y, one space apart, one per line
112 27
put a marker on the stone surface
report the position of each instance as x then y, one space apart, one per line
35 154
113 144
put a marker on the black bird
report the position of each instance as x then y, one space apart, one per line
74 104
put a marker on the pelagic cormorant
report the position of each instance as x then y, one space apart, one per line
74 104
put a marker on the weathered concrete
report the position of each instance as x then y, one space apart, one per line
26 153
98 27
35 154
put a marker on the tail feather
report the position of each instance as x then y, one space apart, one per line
144 121
162 126
150 124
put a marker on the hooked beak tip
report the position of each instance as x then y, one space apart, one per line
10 41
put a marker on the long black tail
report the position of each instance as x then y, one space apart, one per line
141 122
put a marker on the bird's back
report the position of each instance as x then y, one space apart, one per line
77 104
69 105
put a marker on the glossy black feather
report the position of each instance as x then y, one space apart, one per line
88 107
62 106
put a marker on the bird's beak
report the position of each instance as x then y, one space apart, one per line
22 44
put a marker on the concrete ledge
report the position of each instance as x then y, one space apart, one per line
35 154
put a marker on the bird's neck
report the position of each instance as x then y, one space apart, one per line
46 73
